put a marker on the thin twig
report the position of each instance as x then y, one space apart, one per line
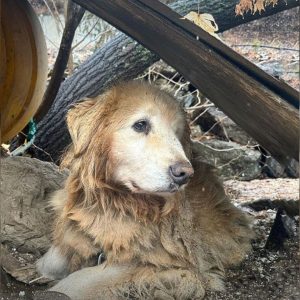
198 105
51 42
35 279
229 162
165 77
57 13
222 150
200 115
265 46
40 149
212 127
53 16
93 40
77 44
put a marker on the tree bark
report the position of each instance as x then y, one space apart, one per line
122 58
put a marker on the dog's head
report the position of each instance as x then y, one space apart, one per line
134 136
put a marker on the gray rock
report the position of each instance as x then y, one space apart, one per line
274 169
277 68
26 185
284 227
231 159
292 169
50 295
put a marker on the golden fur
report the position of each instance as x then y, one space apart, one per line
157 245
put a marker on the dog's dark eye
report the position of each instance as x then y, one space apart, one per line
141 126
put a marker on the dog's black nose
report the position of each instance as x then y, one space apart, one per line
181 172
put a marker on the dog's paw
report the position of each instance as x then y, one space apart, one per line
53 264
179 284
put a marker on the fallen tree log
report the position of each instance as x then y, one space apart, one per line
121 58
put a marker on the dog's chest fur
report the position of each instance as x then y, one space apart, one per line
124 239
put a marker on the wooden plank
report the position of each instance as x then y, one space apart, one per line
260 104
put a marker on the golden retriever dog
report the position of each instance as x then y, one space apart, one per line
137 194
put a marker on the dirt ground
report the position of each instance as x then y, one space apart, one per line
265 274
271 43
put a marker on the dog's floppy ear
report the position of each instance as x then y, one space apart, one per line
80 123
87 158
85 121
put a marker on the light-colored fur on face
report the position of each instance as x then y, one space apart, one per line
161 239
142 161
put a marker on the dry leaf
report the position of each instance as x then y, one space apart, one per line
253 6
259 6
205 21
